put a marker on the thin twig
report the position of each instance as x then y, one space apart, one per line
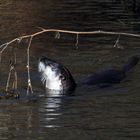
8 80
15 80
4 47
77 41
15 74
14 85
28 67
116 45
57 35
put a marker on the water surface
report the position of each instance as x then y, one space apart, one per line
102 114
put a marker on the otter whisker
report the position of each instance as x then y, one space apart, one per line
43 78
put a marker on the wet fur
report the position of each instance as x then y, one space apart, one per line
61 74
111 76
102 79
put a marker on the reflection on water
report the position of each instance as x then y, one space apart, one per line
105 113
50 110
93 113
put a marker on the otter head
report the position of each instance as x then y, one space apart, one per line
55 75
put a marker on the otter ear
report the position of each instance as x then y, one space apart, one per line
62 77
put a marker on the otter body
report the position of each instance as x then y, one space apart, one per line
57 77
111 76
107 77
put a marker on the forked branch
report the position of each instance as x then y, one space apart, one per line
4 46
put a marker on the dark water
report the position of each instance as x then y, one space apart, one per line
102 114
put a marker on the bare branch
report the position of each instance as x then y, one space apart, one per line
70 32
58 31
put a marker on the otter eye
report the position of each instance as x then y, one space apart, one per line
63 77
53 68
50 65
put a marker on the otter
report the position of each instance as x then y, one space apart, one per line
58 77
55 75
